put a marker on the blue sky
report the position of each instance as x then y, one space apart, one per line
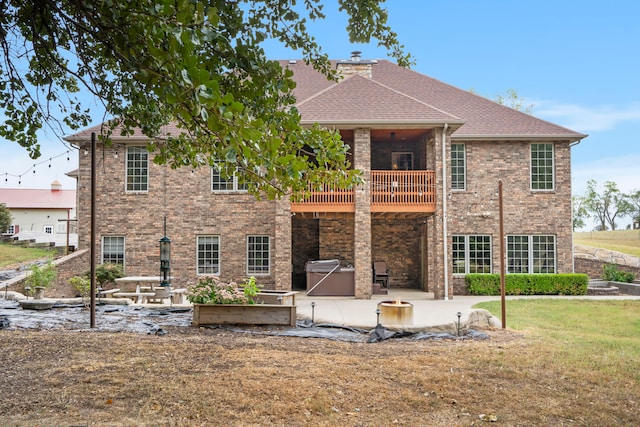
576 61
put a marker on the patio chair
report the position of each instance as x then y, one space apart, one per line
380 273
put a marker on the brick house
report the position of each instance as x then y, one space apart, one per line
430 221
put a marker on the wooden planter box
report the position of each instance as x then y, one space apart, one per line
241 314
267 296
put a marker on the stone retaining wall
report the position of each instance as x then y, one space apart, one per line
590 261
68 266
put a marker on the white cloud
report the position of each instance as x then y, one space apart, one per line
587 119
624 170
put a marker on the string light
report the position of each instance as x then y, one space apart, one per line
33 167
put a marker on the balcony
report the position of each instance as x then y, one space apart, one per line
391 191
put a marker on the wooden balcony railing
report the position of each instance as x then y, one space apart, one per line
327 198
391 191
403 191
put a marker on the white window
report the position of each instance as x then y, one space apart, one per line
62 227
208 254
458 167
402 161
542 175
113 250
48 229
531 254
11 230
471 254
137 169
258 255
236 182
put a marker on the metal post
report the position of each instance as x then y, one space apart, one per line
502 256
93 231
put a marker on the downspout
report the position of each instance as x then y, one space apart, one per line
445 258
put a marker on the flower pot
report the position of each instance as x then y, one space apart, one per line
39 292
244 314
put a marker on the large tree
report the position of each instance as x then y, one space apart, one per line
608 206
5 218
199 64
579 212
634 200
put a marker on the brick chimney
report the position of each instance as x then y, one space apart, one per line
356 65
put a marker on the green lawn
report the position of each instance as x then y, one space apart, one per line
582 335
625 241
10 254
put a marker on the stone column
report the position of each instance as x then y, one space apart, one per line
282 245
437 241
362 220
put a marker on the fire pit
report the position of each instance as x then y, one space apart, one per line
398 313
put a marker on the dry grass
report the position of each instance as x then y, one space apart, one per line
194 377
625 241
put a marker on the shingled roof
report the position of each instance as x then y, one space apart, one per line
400 96
391 96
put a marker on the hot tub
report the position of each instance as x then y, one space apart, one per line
329 278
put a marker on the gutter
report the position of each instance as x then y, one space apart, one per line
445 257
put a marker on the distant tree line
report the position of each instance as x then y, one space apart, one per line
607 206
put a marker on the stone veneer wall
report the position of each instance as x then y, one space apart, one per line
306 247
337 239
362 229
397 243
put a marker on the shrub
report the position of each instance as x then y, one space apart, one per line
106 273
211 290
611 273
41 276
82 284
528 284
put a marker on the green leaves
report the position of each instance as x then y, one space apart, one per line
198 64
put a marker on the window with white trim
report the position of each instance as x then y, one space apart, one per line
10 230
137 169
48 229
62 227
542 175
458 167
208 254
218 183
471 254
258 255
113 250
531 254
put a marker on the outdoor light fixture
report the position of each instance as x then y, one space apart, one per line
459 316
165 257
377 316
313 311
